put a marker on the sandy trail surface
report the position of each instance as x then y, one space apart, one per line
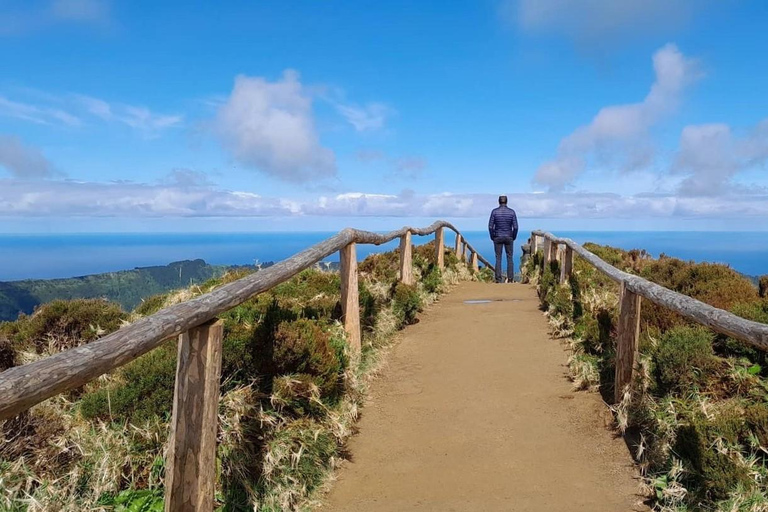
474 413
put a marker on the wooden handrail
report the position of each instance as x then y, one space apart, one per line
24 386
632 288
725 322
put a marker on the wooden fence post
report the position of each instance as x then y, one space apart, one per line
406 259
350 303
191 457
547 253
627 341
440 247
473 261
566 267
532 242
464 252
458 245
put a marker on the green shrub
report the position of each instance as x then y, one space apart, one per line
312 293
717 285
548 282
381 267
610 255
560 302
298 394
451 260
7 353
308 347
369 307
144 389
486 275
62 324
757 312
131 500
432 279
713 474
424 255
762 287
287 472
684 360
406 303
151 305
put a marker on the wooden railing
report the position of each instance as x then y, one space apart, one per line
632 288
191 457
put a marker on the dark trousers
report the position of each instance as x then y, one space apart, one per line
507 243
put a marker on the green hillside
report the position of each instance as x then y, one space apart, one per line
126 287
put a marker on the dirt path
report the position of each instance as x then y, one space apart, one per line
474 413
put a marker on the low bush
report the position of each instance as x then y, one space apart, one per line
684 360
703 443
7 353
717 285
309 347
406 303
432 279
62 324
297 458
151 305
141 390
381 267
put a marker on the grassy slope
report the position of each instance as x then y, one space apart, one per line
289 394
699 408
127 287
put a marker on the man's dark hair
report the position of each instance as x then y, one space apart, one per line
502 199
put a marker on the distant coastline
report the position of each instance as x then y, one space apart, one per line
42 256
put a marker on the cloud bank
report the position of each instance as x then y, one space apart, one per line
186 193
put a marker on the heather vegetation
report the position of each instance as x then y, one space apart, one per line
697 414
290 393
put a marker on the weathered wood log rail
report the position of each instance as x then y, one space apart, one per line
633 288
190 470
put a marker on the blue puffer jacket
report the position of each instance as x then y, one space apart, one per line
503 223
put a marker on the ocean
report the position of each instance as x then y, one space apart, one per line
38 256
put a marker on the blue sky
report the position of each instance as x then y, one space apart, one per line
254 115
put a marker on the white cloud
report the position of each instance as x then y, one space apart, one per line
599 21
364 118
138 117
23 161
77 110
618 136
710 156
36 113
269 126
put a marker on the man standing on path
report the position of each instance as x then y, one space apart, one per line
503 230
